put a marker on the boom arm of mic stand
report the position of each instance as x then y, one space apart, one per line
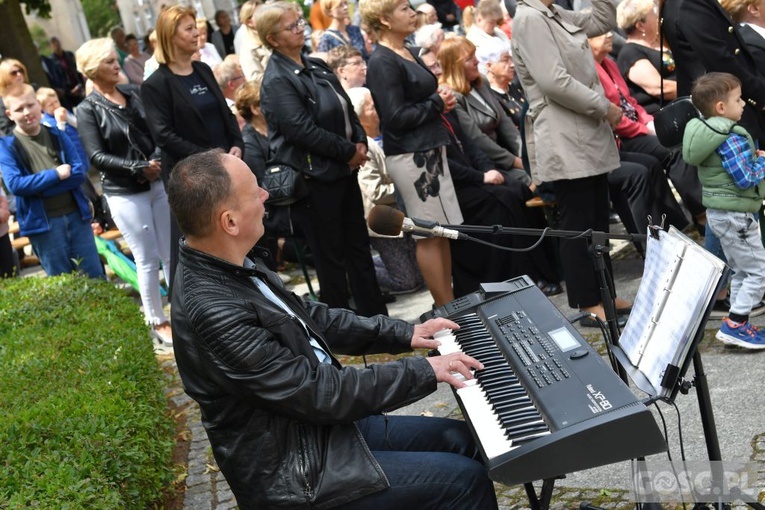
537 232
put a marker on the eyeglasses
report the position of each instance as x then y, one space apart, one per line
358 62
17 72
296 27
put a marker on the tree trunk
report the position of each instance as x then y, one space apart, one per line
16 42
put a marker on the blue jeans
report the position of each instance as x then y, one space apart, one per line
430 463
68 246
739 234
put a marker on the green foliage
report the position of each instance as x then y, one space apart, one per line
40 38
102 15
83 417
41 7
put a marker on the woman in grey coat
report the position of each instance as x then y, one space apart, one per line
568 128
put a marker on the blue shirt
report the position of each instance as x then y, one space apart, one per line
332 39
321 354
740 162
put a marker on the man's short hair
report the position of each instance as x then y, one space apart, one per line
227 71
197 188
218 14
489 9
339 56
710 89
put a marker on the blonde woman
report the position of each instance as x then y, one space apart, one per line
410 103
207 52
184 102
253 54
118 143
480 114
641 61
751 16
340 32
11 72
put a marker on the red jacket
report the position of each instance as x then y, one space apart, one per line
613 82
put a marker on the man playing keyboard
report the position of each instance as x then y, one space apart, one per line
289 426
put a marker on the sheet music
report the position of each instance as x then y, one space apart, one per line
679 281
660 260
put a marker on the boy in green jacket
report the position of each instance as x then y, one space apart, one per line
730 170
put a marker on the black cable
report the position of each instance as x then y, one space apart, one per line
680 439
606 338
679 429
507 248
585 234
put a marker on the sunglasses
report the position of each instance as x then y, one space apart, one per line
17 72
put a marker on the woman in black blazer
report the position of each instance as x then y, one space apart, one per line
410 105
313 128
186 110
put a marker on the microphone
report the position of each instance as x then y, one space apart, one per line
388 221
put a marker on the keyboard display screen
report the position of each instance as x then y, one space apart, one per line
564 339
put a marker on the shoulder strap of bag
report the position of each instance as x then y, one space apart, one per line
661 53
338 37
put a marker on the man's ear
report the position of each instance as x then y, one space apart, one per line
719 108
228 222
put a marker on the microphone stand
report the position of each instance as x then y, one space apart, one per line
597 245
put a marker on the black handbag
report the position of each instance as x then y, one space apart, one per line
670 121
284 184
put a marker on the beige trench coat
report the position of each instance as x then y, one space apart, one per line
567 136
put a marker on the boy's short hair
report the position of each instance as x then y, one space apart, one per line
45 93
17 91
710 89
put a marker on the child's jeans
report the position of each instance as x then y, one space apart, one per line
739 234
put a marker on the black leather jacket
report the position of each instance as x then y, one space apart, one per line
281 424
306 122
117 140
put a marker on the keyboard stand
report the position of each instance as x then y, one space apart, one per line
541 501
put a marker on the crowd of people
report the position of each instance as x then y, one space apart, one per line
454 113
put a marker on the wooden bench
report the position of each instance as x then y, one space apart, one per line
20 242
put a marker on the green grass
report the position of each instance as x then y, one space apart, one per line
83 417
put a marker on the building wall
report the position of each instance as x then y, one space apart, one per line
67 22
138 16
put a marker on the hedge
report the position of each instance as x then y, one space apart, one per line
83 417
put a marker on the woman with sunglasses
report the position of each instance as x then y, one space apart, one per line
312 128
11 72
